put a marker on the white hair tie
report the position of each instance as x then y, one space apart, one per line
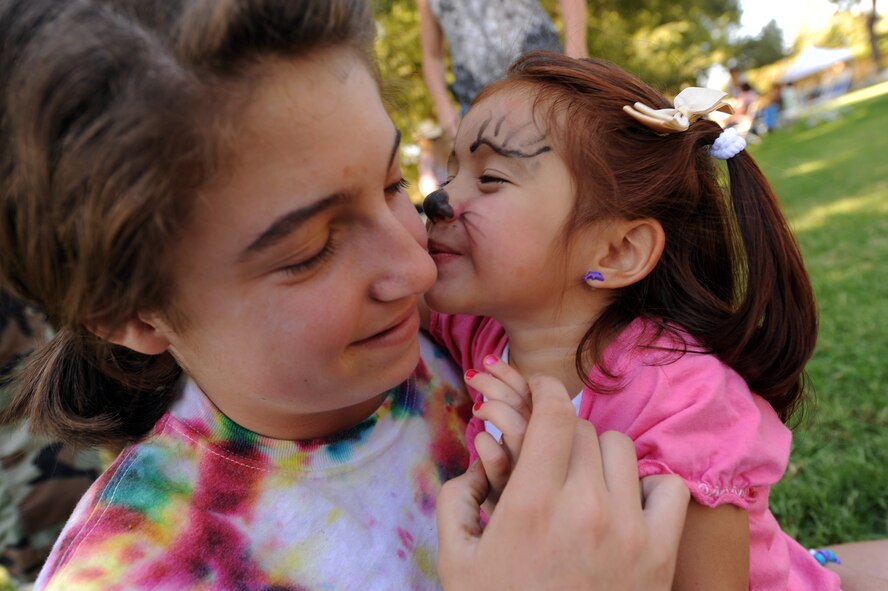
728 144
689 105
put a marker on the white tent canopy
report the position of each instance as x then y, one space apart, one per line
814 59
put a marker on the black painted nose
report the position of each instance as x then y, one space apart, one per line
437 206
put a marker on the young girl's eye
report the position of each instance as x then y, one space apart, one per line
313 261
486 179
397 187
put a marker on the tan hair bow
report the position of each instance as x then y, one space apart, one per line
691 104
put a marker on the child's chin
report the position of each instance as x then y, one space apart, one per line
439 301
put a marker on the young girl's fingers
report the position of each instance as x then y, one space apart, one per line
509 375
494 388
510 423
496 465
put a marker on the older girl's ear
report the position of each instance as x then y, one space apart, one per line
142 333
627 251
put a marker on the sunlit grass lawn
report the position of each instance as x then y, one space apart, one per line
832 179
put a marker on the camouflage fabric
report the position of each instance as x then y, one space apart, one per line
40 480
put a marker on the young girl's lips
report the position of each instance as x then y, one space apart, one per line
442 258
441 253
402 331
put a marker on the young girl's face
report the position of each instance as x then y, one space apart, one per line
511 195
299 276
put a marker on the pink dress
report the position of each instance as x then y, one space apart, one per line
689 415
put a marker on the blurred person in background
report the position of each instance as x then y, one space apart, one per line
484 37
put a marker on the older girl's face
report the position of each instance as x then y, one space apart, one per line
300 274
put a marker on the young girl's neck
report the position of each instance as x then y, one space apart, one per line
549 347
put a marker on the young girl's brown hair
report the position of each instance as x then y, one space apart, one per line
111 117
731 273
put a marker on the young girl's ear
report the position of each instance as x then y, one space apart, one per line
628 250
144 334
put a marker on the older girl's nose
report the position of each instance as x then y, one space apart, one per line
404 267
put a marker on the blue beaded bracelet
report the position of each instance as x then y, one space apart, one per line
824 555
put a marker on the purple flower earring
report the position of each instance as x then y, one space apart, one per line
593 276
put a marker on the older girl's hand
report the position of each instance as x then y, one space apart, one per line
570 516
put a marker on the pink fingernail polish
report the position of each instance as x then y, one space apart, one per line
490 359
477 406
470 374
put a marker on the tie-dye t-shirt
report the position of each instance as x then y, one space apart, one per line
202 503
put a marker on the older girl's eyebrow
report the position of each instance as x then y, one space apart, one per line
290 222
293 220
395 147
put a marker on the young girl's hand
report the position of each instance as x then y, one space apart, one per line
508 407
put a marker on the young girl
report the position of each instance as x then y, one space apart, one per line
584 233
204 197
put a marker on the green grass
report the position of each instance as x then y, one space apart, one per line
832 180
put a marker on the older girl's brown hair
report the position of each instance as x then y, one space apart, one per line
109 111
731 274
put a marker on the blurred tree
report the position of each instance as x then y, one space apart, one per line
763 49
844 30
666 43
400 62
872 18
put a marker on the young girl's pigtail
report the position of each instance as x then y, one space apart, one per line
748 297
87 392
776 315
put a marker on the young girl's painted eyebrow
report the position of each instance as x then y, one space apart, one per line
291 221
503 149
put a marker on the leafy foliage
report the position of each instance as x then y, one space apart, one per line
763 49
666 43
871 18
400 58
